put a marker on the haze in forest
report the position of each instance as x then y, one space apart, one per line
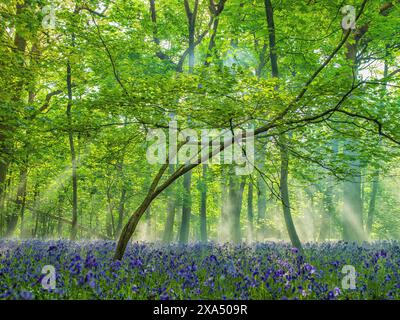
82 85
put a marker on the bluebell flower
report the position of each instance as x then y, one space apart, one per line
26 295
135 288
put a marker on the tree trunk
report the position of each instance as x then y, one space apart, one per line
352 188
203 200
375 183
353 207
3 176
187 205
328 211
261 193
171 207
283 186
169 224
36 214
74 228
7 130
191 17
130 227
261 200
328 200
223 233
250 212
284 193
121 210
110 220
122 199
235 207
203 205
148 224
59 223
371 209
186 209
21 195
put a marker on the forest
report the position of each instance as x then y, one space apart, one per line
185 149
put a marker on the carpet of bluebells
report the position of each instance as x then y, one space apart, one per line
85 270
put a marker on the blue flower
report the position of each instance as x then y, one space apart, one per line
164 296
309 268
135 288
26 295
90 261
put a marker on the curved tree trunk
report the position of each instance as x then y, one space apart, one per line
283 185
284 192
130 227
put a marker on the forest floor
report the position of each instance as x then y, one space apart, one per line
85 270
